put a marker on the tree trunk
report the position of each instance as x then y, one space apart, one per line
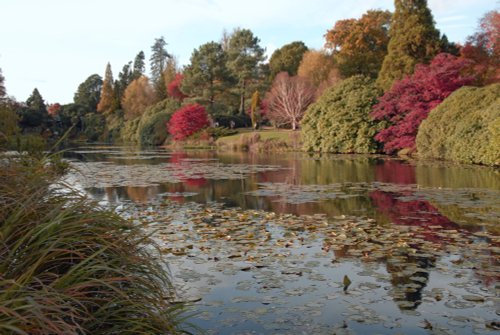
242 99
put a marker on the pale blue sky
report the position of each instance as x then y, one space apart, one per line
54 45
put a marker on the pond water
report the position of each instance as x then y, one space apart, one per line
303 244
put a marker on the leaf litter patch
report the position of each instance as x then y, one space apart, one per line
280 270
108 174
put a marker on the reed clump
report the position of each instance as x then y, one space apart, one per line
68 266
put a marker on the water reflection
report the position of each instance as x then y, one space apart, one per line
355 174
405 213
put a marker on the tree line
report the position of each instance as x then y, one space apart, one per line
395 68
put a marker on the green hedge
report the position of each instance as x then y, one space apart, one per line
339 121
465 127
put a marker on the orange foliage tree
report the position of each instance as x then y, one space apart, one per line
360 45
107 100
137 97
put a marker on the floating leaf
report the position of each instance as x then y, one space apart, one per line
346 282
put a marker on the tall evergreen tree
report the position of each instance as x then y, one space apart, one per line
158 62
36 102
206 77
35 113
125 77
413 39
139 65
107 100
244 57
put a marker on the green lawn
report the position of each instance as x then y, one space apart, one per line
282 135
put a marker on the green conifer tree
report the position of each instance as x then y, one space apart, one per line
413 39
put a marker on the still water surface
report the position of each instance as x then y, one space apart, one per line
305 244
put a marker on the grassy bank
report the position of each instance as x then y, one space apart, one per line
70 267
261 140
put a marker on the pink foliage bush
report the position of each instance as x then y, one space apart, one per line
410 100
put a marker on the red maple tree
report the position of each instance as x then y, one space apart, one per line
187 121
410 100
174 87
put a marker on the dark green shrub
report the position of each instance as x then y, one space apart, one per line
465 127
93 125
114 125
129 130
152 129
339 121
239 120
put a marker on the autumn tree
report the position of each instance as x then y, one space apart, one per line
171 71
410 100
107 100
158 63
413 40
320 69
287 58
360 45
254 109
88 93
174 88
137 97
206 78
484 48
187 121
244 57
288 99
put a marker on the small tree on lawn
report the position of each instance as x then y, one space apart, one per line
288 99
187 121
410 100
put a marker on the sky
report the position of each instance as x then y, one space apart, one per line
54 45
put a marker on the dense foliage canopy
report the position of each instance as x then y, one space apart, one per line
88 93
339 121
360 45
137 97
287 58
465 127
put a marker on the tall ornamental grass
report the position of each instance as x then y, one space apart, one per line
70 267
